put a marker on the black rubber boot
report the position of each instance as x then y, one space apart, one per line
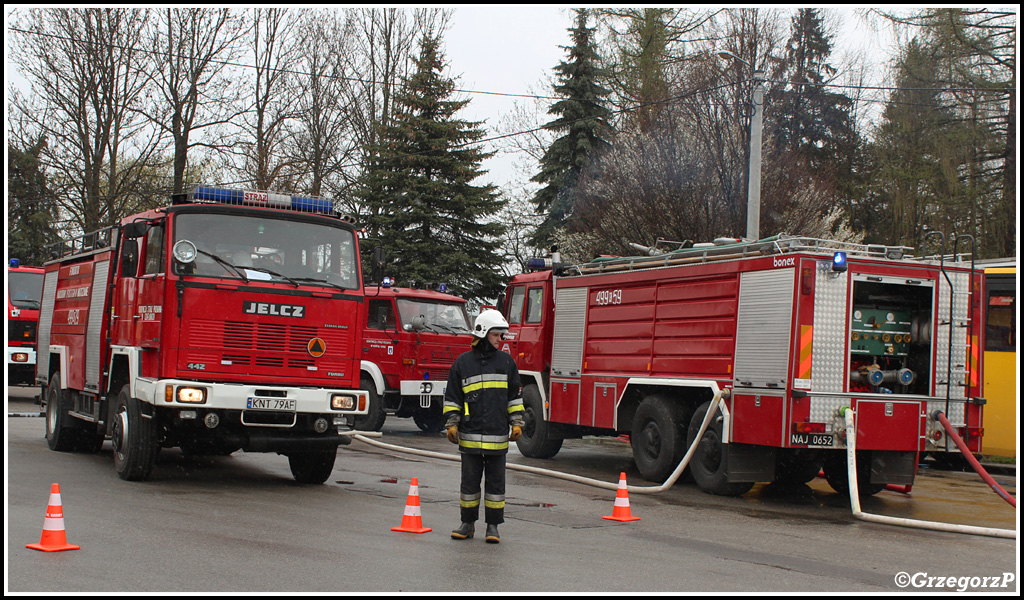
464 531
492 534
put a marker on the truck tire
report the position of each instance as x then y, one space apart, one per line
374 418
536 441
658 437
61 434
133 438
837 474
312 467
429 420
795 467
708 465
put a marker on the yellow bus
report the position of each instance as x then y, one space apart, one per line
1002 412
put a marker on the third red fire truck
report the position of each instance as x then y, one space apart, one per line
790 329
410 340
227 320
24 290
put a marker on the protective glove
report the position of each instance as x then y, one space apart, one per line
453 434
516 432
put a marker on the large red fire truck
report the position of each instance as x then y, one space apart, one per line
228 320
410 340
24 290
789 329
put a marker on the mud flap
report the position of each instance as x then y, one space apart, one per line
749 463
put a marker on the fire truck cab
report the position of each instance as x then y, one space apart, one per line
228 320
24 292
411 339
791 330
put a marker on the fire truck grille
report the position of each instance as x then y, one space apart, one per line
21 331
261 345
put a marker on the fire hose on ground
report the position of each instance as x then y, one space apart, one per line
717 403
851 466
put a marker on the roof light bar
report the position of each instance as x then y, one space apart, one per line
268 199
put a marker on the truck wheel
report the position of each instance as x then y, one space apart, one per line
536 441
796 468
374 418
836 474
658 437
427 421
312 467
60 432
708 464
133 438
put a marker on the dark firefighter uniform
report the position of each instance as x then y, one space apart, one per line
483 399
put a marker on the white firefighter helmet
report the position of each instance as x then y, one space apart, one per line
487 320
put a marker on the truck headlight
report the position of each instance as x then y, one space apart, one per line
192 395
343 401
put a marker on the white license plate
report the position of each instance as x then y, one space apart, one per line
810 439
270 403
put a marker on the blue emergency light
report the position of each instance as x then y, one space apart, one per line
839 262
268 199
386 282
15 263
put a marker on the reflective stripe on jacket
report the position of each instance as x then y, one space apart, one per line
483 399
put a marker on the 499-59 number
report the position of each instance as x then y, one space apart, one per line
608 297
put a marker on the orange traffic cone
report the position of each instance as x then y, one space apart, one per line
53 539
411 520
621 510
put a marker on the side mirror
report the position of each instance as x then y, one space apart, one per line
129 258
136 229
379 256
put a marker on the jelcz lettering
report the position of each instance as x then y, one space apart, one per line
274 310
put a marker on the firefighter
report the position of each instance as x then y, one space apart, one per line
482 399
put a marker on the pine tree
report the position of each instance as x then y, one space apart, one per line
31 212
811 120
583 119
417 188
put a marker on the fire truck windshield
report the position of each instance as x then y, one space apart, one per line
446 317
265 248
25 289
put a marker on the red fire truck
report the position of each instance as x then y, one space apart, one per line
790 329
411 338
227 320
25 288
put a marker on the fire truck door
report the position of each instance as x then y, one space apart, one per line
148 314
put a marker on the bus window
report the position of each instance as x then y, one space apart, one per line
1001 318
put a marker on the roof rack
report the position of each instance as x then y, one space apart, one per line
81 244
723 250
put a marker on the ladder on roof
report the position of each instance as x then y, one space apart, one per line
703 253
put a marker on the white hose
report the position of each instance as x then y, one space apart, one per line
576 478
851 466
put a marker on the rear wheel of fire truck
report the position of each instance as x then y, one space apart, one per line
536 440
836 474
708 465
374 418
312 467
61 434
658 437
133 437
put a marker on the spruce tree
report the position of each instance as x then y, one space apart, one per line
582 118
31 212
418 188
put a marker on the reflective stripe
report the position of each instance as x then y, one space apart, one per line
447 409
469 503
488 385
518 407
484 445
484 377
492 504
